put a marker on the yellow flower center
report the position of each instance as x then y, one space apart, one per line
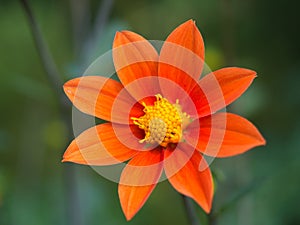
162 122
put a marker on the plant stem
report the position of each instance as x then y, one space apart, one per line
47 61
73 213
190 210
102 17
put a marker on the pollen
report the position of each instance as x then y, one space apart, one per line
162 122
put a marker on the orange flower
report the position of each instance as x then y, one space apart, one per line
162 117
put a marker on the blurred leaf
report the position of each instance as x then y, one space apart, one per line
28 87
54 134
236 197
5 139
253 101
214 58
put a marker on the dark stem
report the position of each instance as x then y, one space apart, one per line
102 17
80 18
73 210
211 219
190 210
96 33
47 61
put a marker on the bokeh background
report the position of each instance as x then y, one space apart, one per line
259 187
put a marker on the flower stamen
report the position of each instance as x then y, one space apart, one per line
162 122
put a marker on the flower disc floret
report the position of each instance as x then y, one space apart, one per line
162 122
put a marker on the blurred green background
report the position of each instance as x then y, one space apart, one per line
259 187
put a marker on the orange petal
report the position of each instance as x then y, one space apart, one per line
191 180
224 135
182 56
220 88
138 180
98 96
135 58
100 145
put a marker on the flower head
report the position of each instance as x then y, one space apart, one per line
161 117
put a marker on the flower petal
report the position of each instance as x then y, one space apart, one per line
138 180
96 95
182 56
192 179
224 135
100 145
135 58
220 88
